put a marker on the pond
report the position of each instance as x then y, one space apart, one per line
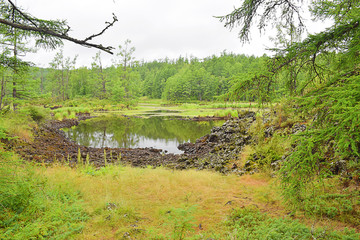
164 133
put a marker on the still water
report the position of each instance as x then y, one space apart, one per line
164 133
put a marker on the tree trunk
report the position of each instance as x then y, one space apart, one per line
68 75
14 95
103 81
42 81
2 93
62 85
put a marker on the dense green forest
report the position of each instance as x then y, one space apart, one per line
179 80
310 80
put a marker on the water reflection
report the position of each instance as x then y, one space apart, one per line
158 132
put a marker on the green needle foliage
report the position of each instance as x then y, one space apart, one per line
325 69
333 137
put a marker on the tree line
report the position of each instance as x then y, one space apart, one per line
182 79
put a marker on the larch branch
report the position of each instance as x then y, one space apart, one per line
53 33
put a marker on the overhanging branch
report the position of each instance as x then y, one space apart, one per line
50 32
33 24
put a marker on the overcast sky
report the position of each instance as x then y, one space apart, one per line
157 28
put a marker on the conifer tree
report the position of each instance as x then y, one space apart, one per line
330 92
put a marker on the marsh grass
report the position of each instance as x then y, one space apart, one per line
195 109
227 113
69 112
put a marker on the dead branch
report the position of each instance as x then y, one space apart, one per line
108 26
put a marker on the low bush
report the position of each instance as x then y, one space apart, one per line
36 113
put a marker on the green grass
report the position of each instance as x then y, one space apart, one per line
69 112
227 113
198 109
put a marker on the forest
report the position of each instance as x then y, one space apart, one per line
180 80
282 162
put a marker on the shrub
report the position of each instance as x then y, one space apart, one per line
181 221
37 113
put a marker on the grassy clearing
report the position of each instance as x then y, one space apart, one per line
124 200
164 204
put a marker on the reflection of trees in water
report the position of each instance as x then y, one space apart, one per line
123 130
127 132
181 130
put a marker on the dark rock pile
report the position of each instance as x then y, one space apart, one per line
222 145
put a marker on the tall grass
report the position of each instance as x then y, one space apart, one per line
116 202
30 208
149 198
